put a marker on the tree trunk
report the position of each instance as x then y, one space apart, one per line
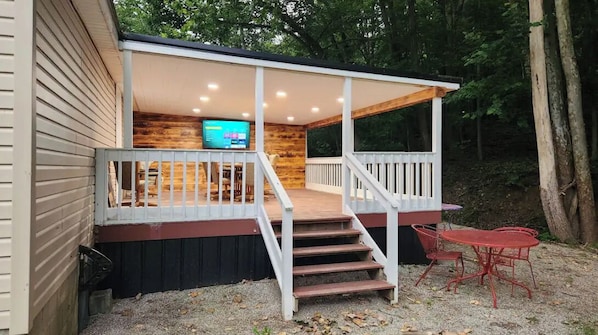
587 207
560 125
554 211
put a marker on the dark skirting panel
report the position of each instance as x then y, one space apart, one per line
178 264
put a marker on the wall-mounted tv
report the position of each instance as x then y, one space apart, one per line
224 134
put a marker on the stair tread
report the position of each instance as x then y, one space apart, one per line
335 218
335 267
330 249
323 233
340 288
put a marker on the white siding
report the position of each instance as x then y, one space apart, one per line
75 113
6 153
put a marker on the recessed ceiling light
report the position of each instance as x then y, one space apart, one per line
204 98
315 109
213 86
290 118
281 94
245 114
340 100
196 110
265 105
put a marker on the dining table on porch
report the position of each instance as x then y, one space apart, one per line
488 246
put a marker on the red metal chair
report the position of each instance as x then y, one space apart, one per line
434 249
508 257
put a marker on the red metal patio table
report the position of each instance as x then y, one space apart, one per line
493 243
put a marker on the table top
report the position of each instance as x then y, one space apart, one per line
489 238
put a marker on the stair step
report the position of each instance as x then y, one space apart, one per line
336 218
323 233
305 270
329 250
340 288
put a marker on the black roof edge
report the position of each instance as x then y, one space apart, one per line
285 59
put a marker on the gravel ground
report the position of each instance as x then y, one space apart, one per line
563 303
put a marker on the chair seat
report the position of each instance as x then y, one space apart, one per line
444 255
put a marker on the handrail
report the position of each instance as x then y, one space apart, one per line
391 266
281 258
374 186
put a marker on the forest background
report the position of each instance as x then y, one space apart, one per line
490 144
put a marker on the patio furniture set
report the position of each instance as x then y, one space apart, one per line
501 247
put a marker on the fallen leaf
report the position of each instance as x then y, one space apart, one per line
138 296
238 299
184 311
211 310
359 322
126 312
194 294
474 302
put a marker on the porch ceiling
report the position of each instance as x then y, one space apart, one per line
173 83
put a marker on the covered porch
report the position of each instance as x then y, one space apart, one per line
174 182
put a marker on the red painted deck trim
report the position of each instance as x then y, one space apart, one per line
175 230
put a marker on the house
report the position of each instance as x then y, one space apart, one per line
77 102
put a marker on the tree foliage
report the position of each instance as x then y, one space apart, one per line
483 42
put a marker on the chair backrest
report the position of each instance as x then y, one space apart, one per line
519 230
126 176
214 173
273 158
428 237
522 253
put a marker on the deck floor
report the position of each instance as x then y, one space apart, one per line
307 204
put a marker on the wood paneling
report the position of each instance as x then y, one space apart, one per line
162 131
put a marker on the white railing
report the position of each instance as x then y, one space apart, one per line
324 174
176 185
410 177
281 256
391 207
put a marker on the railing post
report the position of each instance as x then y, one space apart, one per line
101 187
392 250
437 150
288 301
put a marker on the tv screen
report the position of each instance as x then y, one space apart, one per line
221 134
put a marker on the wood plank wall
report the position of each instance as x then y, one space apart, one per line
163 131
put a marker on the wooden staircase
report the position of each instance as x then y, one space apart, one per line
327 258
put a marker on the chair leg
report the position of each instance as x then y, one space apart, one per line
532 272
423 275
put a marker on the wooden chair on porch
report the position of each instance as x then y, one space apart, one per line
216 180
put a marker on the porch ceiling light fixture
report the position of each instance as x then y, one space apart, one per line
281 94
196 110
213 86
204 98
315 109
340 100
265 105
245 114
290 118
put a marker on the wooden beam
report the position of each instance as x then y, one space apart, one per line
387 106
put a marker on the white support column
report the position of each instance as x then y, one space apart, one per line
347 138
23 169
128 99
259 132
119 117
259 108
437 150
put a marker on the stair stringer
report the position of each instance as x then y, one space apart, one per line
376 253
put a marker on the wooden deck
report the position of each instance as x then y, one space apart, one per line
308 204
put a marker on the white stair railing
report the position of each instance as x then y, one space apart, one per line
281 256
391 205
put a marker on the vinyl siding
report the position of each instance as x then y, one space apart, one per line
7 13
75 108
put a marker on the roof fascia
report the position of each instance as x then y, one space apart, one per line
162 49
